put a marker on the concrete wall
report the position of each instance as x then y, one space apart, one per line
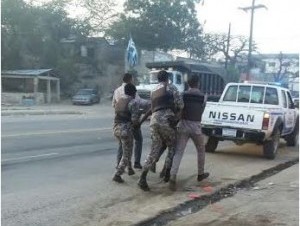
22 98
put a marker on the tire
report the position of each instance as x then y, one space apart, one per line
211 145
270 147
293 138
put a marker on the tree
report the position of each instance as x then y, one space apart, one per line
218 44
98 13
158 24
31 37
283 68
31 34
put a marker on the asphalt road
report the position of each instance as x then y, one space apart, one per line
57 170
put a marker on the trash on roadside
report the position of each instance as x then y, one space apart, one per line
194 196
270 183
186 212
256 188
207 189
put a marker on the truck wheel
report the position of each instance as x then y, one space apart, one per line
293 138
271 146
211 144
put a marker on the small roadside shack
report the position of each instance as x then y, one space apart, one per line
37 86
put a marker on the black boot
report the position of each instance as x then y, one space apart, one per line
130 171
167 175
137 165
118 178
202 176
143 181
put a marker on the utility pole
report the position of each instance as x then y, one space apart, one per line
227 47
253 7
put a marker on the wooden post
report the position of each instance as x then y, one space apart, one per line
58 90
48 91
35 88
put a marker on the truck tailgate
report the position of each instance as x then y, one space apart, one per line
226 115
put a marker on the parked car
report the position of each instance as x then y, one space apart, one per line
252 113
86 96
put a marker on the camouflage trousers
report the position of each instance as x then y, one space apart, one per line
123 133
161 135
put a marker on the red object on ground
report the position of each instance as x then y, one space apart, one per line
194 196
207 189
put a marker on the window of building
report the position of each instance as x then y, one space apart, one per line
271 64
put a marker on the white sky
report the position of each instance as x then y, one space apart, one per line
275 29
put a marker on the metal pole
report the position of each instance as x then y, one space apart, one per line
252 8
227 48
250 41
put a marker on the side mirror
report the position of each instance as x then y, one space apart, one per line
296 104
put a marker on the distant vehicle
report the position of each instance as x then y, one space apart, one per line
211 77
86 96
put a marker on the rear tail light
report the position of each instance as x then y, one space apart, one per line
265 123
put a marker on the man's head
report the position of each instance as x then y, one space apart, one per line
163 76
193 81
127 78
130 90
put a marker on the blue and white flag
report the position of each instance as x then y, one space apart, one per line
132 56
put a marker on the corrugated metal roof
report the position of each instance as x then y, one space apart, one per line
33 72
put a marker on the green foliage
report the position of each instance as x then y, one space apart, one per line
31 35
158 24
233 74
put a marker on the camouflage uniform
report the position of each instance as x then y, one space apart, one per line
123 131
161 130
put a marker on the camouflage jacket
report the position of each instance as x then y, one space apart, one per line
161 117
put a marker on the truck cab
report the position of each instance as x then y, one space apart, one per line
211 77
175 77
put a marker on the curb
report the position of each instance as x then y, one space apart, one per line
195 205
51 112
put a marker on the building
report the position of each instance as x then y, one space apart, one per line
37 86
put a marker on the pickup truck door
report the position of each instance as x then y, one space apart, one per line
289 113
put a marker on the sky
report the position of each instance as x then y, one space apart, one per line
274 29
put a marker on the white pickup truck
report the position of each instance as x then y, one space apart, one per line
252 113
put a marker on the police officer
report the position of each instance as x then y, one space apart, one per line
165 100
126 119
189 127
137 133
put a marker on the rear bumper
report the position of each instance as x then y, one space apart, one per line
81 101
250 136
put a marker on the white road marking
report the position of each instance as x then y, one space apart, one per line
56 132
29 157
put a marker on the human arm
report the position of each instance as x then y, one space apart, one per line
145 116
